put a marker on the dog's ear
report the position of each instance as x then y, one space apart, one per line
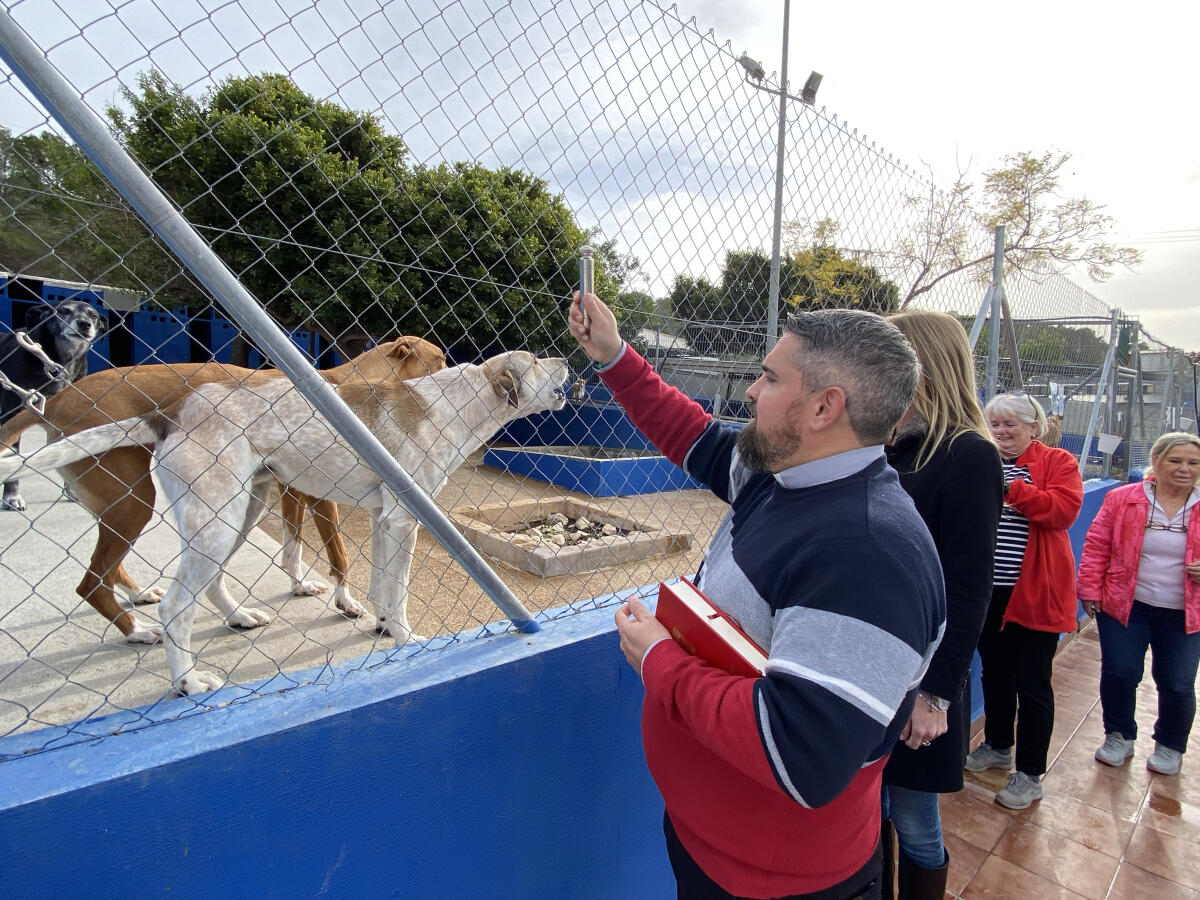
402 348
101 322
36 316
507 384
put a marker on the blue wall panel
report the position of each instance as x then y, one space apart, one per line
509 767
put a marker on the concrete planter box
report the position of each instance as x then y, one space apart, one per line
490 529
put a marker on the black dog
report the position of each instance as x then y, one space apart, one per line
64 331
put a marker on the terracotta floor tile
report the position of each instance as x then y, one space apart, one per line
1133 883
1098 788
973 816
1094 828
1057 858
1167 814
965 860
1165 855
1000 878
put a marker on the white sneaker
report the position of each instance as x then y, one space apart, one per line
1164 760
985 757
1020 792
1116 749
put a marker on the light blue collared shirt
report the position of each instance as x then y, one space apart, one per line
829 468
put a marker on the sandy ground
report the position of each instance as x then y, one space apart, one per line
443 599
60 661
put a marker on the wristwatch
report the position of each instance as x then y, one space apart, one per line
935 704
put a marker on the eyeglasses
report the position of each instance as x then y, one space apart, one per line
1165 526
1032 402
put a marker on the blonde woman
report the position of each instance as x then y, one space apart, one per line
949 466
1140 577
1033 597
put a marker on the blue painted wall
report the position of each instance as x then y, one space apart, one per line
509 767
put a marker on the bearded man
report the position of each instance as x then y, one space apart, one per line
772 784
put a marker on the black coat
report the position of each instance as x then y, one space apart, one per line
959 494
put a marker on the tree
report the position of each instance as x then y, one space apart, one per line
60 218
1044 232
318 212
486 258
731 317
290 190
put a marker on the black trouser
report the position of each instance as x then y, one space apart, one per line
692 884
1017 665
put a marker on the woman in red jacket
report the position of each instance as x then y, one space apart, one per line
1140 577
1033 597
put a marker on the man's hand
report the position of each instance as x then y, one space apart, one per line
599 338
637 627
923 726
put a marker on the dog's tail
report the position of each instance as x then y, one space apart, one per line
140 431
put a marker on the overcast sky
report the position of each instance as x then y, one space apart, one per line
949 83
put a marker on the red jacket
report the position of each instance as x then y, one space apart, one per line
1044 596
1112 552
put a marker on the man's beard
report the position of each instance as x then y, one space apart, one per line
760 453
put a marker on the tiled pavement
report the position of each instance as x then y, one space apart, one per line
1099 832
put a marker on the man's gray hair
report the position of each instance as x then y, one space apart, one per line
867 357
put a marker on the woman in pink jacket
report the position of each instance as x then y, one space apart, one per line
1140 577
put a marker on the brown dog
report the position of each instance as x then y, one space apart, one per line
116 485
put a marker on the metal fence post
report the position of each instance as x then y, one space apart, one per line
777 225
1101 383
995 324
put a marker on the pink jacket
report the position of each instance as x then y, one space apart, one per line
1112 551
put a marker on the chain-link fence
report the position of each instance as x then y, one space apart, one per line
370 171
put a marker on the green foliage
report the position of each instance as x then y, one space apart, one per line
822 278
315 209
289 190
60 218
487 258
730 317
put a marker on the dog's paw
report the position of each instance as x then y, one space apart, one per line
309 588
145 633
149 595
197 682
248 617
15 503
402 633
347 604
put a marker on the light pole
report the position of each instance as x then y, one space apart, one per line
753 77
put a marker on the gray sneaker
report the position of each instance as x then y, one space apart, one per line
1020 792
985 757
1164 760
1116 749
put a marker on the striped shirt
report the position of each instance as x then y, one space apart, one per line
1013 534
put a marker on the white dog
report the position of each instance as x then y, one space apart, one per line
219 450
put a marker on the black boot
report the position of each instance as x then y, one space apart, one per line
920 883
887 840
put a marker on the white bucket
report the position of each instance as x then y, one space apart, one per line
1108 443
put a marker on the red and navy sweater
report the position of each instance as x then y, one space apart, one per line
772 783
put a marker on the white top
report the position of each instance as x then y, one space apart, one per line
1161 578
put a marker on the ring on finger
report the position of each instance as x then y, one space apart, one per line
926 743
